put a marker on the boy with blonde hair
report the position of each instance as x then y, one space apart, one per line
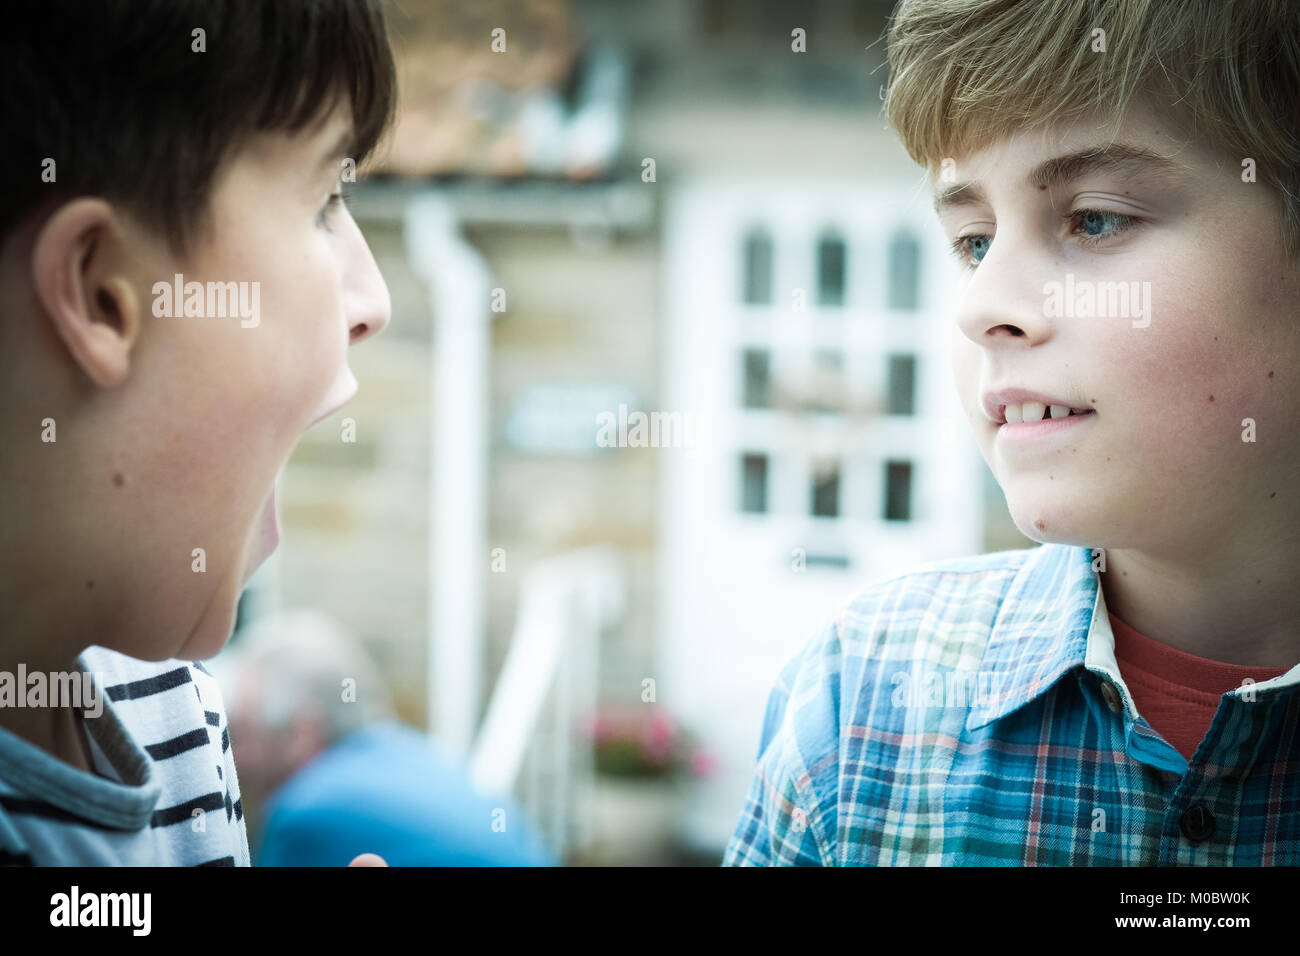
1121 185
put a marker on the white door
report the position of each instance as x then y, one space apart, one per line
806 328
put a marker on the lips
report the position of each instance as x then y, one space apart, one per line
1016 405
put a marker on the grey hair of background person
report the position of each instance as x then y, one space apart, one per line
303 657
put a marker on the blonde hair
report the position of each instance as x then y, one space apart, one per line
966 73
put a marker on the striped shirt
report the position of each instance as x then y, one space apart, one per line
972 713
164 792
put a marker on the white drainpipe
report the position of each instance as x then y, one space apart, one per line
459 289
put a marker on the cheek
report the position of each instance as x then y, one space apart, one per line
964 359
1152 388
1192 376
306 344
1173 397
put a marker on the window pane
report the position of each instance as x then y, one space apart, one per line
898 491
904 272
753 494
826 491
758 269
829 361
902 385
826 389
830 270
758 377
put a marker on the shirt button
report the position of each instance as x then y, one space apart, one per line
1111 696
1197 823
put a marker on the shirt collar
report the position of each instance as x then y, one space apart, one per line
1041 629
1052 620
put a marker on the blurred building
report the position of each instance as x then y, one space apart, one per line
661 284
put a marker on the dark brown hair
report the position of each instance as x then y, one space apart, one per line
115 94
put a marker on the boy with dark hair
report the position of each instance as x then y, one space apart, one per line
1121 185
179 283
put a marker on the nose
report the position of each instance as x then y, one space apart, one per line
1003 304
366 303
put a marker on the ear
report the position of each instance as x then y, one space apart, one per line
86 295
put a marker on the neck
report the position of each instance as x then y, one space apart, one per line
48 614
52 725
1236 608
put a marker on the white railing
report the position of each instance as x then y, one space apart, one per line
547 684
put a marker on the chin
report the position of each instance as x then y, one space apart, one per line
263 537
1049 522
255 560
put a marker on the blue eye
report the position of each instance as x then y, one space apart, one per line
1093 221
970 250
1094 226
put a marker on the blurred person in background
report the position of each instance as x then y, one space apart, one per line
332 772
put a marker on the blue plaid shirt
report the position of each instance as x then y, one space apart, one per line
972 713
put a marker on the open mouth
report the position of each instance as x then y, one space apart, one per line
1030 412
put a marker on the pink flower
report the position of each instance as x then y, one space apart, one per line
703 763
661 728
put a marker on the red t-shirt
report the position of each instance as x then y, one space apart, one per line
1177 693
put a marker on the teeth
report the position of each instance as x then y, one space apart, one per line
1036 412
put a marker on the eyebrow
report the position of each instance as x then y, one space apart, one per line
1115 157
